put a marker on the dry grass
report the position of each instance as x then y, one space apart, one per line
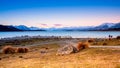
106 42
118 37
91 40
9 50
22 50
87 58
82 45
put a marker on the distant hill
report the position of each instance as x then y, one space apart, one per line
115 27
25 28
34 28
108 27
8 28
19 28
102 27
22 27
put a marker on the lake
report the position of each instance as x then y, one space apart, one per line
74 34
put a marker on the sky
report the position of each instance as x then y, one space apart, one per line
59 13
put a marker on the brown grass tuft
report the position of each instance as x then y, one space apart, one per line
22 50
91 40
82 45
20 56
105 43
8 50
118 37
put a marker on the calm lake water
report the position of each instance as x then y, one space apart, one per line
74 34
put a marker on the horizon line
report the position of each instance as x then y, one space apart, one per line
59 26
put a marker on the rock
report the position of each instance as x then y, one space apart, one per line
67 49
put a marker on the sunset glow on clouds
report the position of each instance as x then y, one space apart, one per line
51 25
59 13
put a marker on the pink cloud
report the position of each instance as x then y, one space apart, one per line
57 24
44 24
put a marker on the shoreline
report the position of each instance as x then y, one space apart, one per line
73 34
33 40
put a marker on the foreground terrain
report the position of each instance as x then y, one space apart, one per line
44 56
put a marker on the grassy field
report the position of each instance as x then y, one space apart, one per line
106 42
87 58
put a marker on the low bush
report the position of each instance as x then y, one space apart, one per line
118 37
91 40
82 45
22 50
105 43
9 50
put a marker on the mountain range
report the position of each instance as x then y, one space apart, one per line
102 27
8 28
25 28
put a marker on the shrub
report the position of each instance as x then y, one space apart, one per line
118 37
82 45
26 50
22 50
90 40
8 50
104 43
20 56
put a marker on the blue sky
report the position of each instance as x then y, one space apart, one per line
59 13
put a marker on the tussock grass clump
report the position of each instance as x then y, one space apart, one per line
82 45
118 37
20 56
91 40
105 43
22 50
9 50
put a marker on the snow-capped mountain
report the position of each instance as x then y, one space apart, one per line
37 29
34 28
116 25
25 28
106 24
102 27
22 27
8 28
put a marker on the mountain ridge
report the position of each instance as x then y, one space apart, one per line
101 27
8 28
